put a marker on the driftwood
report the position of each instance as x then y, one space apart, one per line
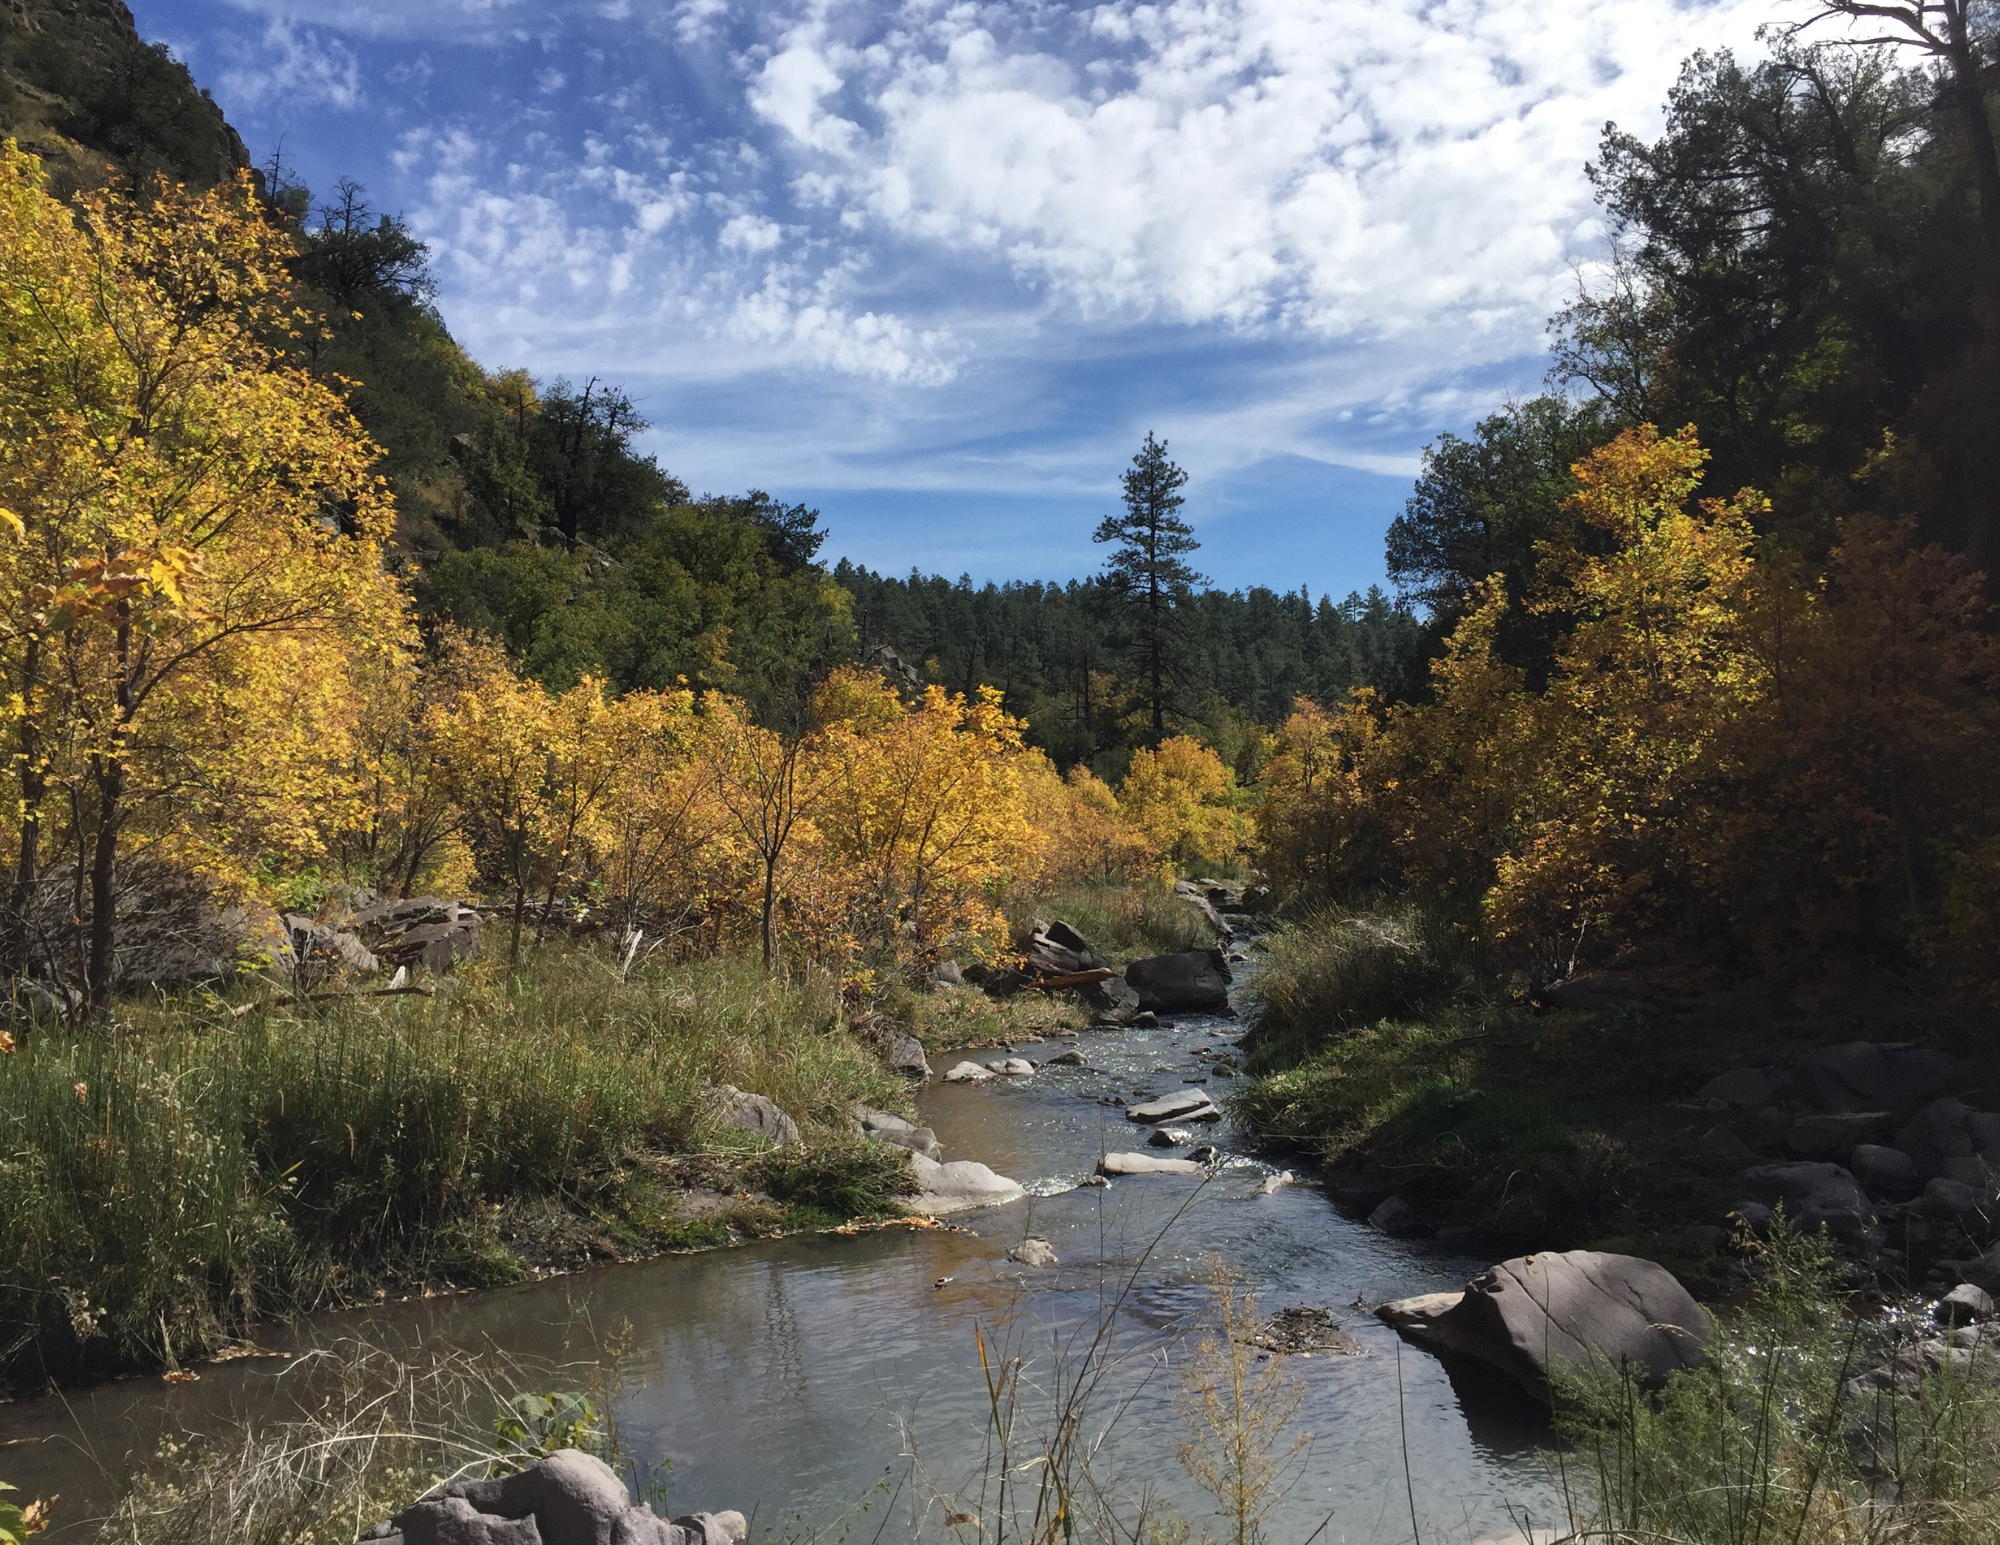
1073 979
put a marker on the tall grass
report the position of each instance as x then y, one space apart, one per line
1340 968
168 1176
1122 922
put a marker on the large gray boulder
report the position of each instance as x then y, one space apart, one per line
1812 1194
906 1056
956 1186
886 1127
755 1114
1949 1129
1865 1075
569 1498
1885 1172
1192 982
1536 1315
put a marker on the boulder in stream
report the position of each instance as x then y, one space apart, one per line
569 1498
958 1185
1145 1164
1181 1105
1192 982
1533 1315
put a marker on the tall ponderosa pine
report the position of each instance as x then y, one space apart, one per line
1145 578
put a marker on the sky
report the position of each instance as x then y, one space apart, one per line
938 267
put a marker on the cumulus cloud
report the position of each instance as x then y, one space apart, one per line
1351 166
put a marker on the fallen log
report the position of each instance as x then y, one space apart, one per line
1073 979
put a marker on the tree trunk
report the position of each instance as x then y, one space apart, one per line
28 862
1970 93
770 916
99 973
514 944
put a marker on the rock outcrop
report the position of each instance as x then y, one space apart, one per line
1812 1194
569 1498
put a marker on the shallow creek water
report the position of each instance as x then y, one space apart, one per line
788 1377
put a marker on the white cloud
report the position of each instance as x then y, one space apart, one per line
1352 166
292 65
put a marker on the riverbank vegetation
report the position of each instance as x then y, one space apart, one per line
201 1162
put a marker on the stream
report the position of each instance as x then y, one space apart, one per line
791 1378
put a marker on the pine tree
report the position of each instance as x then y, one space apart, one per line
1145 578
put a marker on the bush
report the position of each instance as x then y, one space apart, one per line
1803 1424
1338 969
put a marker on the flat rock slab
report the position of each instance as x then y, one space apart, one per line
1178 1106
956 1186
1146 1164
1537 1314
968 1073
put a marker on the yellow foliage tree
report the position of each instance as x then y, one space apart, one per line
191 559
923 807
1182 798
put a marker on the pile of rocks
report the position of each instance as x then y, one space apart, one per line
1060 959
1876 1151
569 1498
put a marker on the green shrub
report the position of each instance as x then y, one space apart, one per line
1788 1431
859 1180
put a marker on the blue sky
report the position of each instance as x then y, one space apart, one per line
937 267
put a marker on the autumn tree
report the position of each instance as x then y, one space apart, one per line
193 544
1146 577
1183 798
922 805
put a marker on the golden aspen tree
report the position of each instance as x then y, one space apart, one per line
193 532
924 806
767 785
1655 668
1182 797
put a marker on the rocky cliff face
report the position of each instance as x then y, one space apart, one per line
81 89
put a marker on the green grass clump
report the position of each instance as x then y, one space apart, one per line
170 1174
1337 969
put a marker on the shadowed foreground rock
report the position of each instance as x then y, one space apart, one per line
570 1498
1530 1315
